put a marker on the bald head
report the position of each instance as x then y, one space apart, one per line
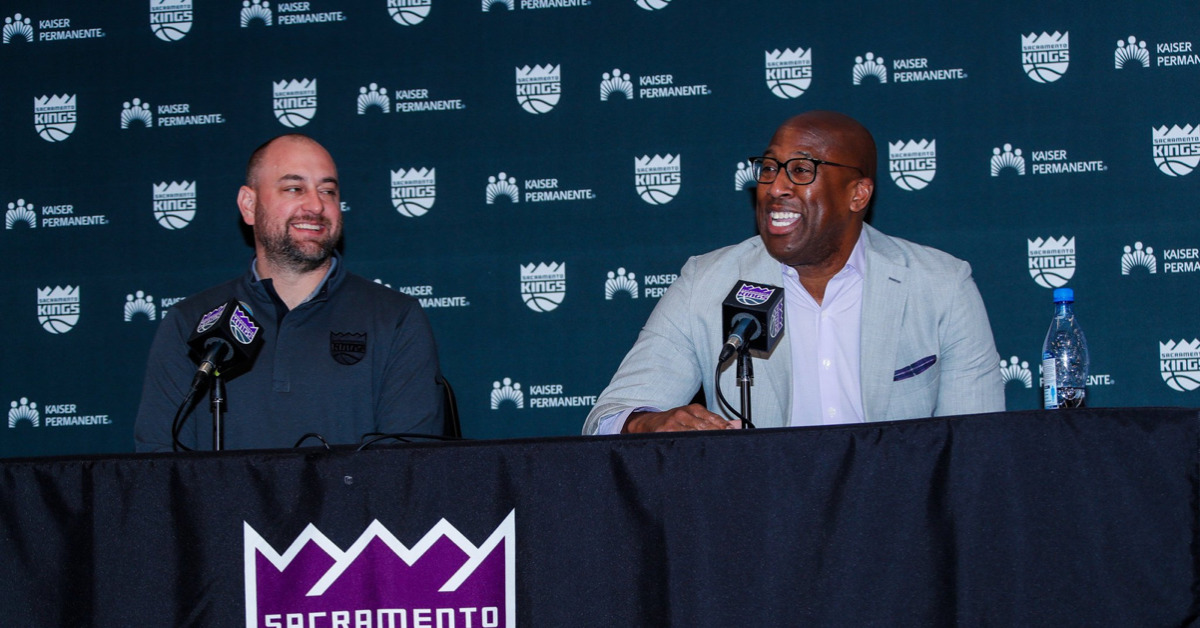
849 140
254 165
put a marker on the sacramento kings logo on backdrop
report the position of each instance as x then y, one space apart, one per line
789 73
58 308
24 410
652 5
538 88
20 213
1045 57
54 117
1176 150
443 575
414 191
409 12
912 164
347 348
1180 364
175 204
170 19
543 286
657 179
295 101
1052 261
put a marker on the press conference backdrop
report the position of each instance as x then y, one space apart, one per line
536 172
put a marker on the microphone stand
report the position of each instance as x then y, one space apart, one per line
216 394
745 379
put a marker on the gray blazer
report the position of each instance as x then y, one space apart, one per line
918 302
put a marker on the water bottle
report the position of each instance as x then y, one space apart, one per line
1064 356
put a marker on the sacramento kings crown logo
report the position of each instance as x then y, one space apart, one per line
409 12
295 102
789 73
657 179
1051 261
653 5
544 286
443 575
1176 150
175 204
751 295
414 191
20 213
170 20
1045 57
1180 364
54 117
58 308
256 10
539 87
912 164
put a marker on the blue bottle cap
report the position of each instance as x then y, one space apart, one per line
1064 295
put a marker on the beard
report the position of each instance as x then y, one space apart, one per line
282 250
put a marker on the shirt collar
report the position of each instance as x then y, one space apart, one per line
857 263
333 264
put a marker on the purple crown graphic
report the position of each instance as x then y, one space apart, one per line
443 579
753 295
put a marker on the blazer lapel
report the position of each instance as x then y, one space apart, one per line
885 294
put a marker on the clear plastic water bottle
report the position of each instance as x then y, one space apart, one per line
1064 356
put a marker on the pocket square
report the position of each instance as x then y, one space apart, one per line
916 368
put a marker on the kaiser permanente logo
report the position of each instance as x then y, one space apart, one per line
409 12
174 204
912 164
1175 260
1179 363
541 396
51 415
136 113
1047 161
170 20
1045 57
290 14
295 101
58 308
444 579
912 70
1176 150
22 212
54 117
657 179
19 27
743 177
425 295
541 190
414 191
140 304
789 73
1016 370
539 87
544 286
488 5
618 83
374 98
1132 53
623 283
1052 261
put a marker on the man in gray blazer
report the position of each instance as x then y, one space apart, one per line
877 328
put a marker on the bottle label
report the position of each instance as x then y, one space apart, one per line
1049 381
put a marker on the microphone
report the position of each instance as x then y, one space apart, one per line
752 316
225 338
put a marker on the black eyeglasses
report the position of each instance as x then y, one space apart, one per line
801 170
